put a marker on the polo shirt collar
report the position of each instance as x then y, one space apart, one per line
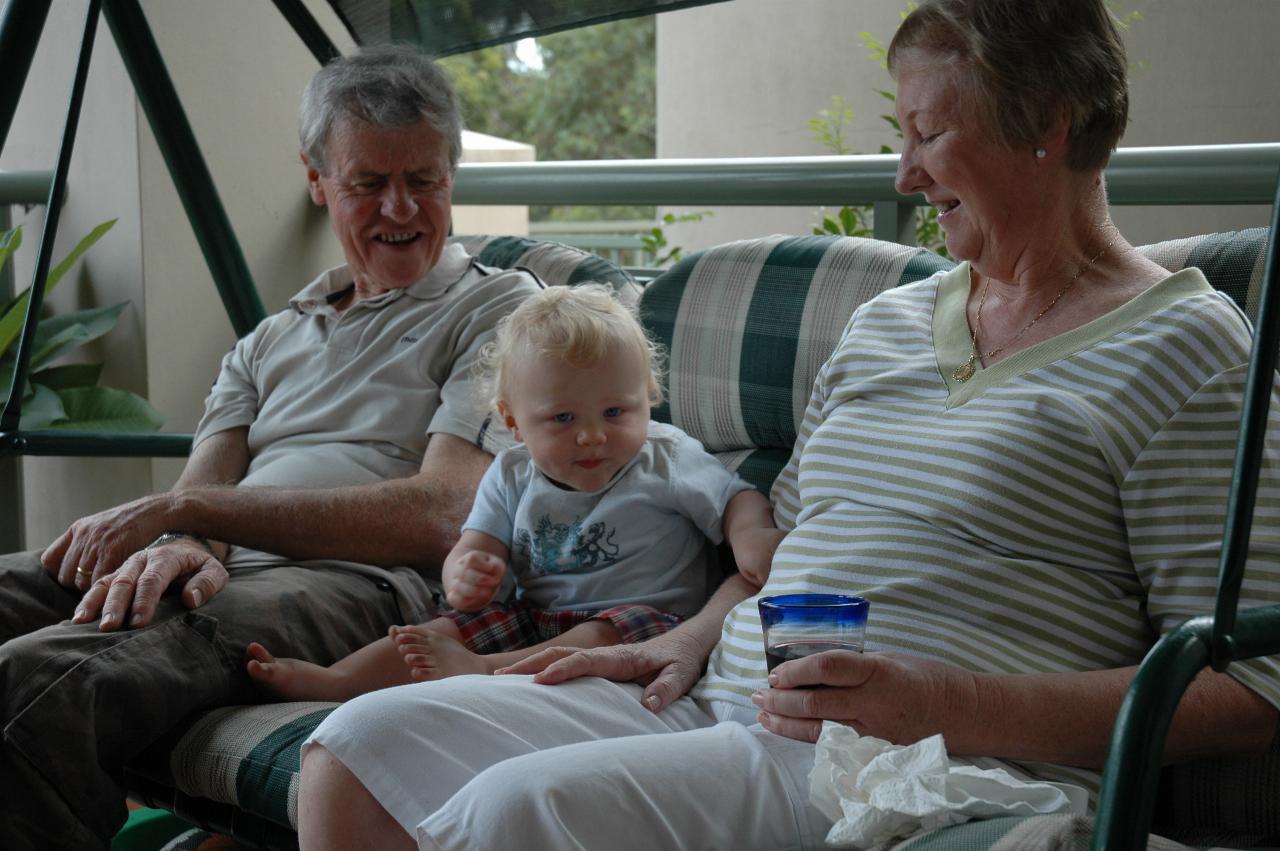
318 296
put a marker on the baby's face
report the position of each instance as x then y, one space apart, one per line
581 425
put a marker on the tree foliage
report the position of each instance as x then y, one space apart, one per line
594 98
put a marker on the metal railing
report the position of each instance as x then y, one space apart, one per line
1201 174
1186 175
1190 175
617 241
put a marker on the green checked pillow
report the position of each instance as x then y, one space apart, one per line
554 263
747 326
1232 261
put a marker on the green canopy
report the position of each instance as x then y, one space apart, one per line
444 27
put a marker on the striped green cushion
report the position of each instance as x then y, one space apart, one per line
748 324
553 262
248 756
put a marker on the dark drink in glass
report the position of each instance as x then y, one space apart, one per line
798 625
779 653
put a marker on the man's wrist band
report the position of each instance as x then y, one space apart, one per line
170 537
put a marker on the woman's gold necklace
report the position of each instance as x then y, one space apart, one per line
966 370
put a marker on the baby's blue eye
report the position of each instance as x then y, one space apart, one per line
613 412
564 417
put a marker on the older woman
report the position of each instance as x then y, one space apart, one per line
1022 462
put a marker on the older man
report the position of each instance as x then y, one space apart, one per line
338 453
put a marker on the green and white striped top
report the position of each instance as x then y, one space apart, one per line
1056 512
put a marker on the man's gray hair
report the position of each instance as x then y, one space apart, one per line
391 86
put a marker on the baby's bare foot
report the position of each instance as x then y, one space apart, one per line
431 655
294 679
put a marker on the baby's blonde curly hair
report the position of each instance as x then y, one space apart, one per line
579 324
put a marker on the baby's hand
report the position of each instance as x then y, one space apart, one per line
473 580
753 551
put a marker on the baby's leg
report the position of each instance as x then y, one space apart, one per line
435 650
374 666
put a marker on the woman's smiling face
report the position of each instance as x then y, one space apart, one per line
983 190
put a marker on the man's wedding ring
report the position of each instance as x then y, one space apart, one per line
80 571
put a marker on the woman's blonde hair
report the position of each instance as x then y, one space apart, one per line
579 324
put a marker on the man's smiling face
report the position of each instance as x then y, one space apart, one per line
389 196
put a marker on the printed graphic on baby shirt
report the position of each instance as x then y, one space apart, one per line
566 547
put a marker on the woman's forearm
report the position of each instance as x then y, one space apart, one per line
1068 718
703 629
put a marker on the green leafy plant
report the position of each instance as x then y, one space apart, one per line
66 396
655 242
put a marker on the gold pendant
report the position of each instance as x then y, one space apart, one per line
964 371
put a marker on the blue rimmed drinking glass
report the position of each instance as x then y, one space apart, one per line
797 625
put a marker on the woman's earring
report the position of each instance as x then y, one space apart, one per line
1041 153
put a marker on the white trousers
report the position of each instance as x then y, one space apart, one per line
481 762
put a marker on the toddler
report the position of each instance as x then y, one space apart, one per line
599 517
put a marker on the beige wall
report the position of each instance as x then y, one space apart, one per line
1206 77
744 78
239 69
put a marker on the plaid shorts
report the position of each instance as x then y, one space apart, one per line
515 626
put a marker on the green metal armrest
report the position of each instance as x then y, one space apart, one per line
96 444
1129 784
1127 797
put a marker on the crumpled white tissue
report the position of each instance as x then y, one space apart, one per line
875 791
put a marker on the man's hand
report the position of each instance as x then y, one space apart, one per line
129 595
667 666
472 580
96 545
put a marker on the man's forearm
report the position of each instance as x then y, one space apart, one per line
411 521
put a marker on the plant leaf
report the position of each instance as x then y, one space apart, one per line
15 314
68 376
10 241
56 273
106 409
58 335
41 409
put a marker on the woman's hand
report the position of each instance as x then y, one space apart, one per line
667 666
891 696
